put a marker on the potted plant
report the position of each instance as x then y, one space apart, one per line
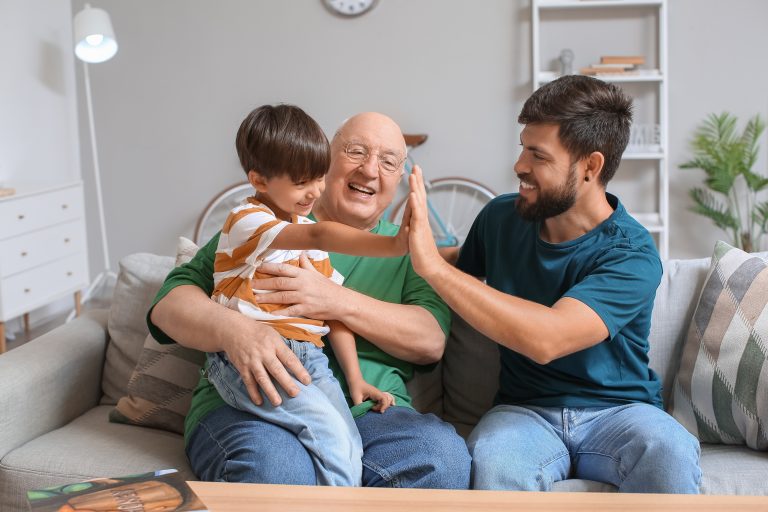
727 157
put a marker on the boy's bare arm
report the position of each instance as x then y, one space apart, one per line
332 236
343 344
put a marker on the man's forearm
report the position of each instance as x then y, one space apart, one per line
404 331
191 318
536 331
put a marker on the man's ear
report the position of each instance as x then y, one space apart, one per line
594 166
257 181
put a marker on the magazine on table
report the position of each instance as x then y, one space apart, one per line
157 491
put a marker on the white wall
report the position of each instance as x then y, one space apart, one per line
38 108
168 105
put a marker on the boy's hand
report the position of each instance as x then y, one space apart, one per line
400 240
361 391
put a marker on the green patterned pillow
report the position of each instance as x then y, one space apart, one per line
721 390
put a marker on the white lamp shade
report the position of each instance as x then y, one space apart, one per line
94 37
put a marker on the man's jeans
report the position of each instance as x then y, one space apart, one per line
318 416
402 448
636 447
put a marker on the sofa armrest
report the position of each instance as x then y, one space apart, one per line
51 380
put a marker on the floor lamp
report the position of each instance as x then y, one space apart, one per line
94 41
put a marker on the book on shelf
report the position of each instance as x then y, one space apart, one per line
637 60
603 70
164 490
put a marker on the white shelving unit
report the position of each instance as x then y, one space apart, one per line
653 81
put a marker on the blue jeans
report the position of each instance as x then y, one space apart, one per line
636 447
318 416
402 448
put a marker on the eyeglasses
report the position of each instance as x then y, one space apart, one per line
389 163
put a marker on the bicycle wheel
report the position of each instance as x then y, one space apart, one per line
212 219
454 203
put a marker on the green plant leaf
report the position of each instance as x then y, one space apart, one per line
706 204
760 216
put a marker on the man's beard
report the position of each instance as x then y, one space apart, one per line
550 204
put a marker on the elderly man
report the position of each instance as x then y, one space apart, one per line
398 319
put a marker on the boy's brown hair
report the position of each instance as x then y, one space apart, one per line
275 140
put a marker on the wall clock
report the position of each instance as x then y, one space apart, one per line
349 8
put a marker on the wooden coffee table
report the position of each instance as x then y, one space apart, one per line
222 497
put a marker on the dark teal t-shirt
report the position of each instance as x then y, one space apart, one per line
614 269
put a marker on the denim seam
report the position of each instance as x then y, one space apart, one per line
543 466
619 465
382 472
221 447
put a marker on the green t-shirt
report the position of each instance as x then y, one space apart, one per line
387 279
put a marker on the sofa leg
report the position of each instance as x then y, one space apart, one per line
26 324
2 337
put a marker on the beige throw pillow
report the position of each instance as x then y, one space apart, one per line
160 387
720 393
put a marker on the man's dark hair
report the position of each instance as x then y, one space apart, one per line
592 115
282 139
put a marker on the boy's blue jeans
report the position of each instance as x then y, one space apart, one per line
318 416
636 447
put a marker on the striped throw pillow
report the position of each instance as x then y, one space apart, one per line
721 390
161 385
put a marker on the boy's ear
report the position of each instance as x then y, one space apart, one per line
257 181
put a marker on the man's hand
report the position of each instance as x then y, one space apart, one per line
424 255
309 293
261 356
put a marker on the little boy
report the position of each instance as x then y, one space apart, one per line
286 155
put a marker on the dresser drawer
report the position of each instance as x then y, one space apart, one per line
33 288
29 213
32 249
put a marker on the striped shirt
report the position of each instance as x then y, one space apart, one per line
243 246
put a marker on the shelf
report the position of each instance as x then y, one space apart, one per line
643 75
586 4
651 221
650 82
642 155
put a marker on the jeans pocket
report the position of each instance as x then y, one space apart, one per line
223 376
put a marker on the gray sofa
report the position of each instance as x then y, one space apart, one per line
57 390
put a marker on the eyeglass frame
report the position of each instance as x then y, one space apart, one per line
369 153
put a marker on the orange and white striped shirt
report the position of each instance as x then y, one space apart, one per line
243 246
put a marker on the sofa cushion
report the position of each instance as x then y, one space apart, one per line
672 310
161 386
721 390
138 280
56 458
729 470
470 376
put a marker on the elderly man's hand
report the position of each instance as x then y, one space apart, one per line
307 292
424 255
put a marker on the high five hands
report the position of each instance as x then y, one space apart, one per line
425 256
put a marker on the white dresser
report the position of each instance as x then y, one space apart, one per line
43 252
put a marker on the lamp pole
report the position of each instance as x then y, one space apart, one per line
95 42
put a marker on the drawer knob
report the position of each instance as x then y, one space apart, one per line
23 253
64 206
21 216
27 290
66 240
69 274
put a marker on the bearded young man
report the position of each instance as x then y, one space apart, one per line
571 278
